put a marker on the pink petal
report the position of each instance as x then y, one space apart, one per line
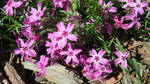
21 42
33 11
96 65
46 61
70 26
72 37
17 4
63 53
141 11
75 60
18 51
104 61
124 64
39 6
63 42
29 43
126 54
90 60
93 52
10 12
117 61
138 1
113 9
61 26
68 59
138 24
54 35
31 52
101 53
77 51
69 47
118 53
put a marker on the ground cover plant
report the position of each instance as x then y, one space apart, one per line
103 40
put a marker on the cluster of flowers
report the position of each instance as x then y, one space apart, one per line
95 67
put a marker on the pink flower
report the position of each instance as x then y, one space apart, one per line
42 65
122 58
108 6
97 58
138 7
9 6
128 3
63 33
36 14
135 19
24 49
71 54
120 24
53 46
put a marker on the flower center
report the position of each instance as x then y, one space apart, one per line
9 3
38 14
138 5
70 53
65 33
96 58
123 58
25 48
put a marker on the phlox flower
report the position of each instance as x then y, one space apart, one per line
53 47
9 6
36 14
128 3
135 19
42 65
120 24
122 58
63 33
138 7
71 54
97 58
107 7
25 49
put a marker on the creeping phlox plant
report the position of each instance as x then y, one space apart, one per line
81 33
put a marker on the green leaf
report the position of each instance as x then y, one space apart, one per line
67 13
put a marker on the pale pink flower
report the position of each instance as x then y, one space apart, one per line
97 58
42 65
25 49
128 3
9 6
36 14
122 58
138 7
71 54
135 19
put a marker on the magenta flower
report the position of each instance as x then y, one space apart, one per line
42 65
9 6
135 19
24 49
63 33
71 54
138 7
122 58
36 14
97 58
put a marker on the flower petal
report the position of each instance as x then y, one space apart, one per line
70 26
61 26
18 51
31 52
118 53
68 59
93 52
101 53
72 37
